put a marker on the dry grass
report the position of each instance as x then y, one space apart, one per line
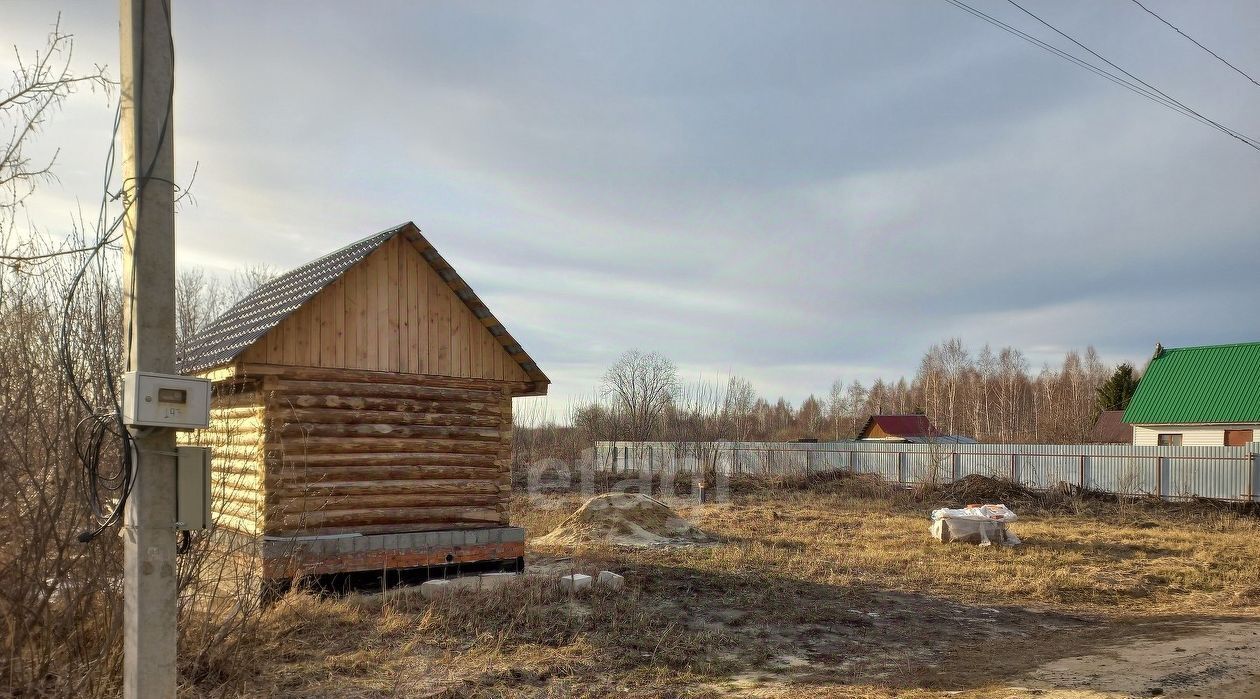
831 593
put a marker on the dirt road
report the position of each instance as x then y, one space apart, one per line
1213 660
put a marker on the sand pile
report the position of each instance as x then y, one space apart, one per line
625 519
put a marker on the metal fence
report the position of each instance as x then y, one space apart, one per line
1219 473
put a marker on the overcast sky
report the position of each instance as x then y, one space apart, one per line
794 192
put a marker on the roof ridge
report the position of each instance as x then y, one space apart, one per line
1228 344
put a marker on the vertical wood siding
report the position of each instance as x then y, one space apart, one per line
236 438
391 312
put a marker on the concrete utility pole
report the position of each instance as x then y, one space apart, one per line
149 591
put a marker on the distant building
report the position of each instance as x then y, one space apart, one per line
1198 396
916 429
1110 428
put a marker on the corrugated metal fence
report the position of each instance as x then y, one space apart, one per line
1221 473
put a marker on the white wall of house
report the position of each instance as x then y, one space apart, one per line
1191 435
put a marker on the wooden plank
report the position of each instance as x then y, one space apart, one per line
366 348
300 335
359 445
473 328
274 568
465 347
323 328
389 515
380 279
439 327
393 465
395 486
315 314
380 390
423 271
288 345
352 302
376 429
406 292
333 502
488 346
339 324
443 405
395 337
327 325
394 417
459 337
371 376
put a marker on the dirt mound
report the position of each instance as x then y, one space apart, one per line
985 489
625 519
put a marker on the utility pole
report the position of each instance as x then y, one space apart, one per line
149 585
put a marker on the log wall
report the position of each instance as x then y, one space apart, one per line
236 436
376 453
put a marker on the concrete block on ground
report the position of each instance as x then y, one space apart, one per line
610 580
432 588
575 583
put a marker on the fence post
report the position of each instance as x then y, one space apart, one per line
852 459
955 467
901 468
1084 465
1254 464
1159 477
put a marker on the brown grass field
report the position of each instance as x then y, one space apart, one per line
832 589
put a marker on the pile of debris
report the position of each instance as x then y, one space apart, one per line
978 488
625 519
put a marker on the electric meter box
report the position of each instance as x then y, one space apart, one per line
165 400
192 488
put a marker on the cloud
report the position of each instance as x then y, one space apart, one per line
790 191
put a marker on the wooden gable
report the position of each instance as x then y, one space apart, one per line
392 312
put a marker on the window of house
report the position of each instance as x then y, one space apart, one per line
1237 438
1169 440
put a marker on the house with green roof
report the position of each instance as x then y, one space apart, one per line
1198 396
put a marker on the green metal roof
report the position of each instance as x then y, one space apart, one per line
1217 383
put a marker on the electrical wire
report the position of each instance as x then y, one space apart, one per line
106 424
1215 55
1135 87
1240 136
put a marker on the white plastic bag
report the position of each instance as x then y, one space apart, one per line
977 513
975 524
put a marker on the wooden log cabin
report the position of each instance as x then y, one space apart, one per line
362 414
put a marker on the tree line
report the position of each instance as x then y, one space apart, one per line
991 396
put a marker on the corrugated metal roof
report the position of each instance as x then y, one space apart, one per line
1211 384
247 321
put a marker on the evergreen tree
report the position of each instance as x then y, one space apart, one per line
1117 391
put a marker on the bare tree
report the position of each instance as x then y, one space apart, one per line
248 278
199 299
39 87
641 385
